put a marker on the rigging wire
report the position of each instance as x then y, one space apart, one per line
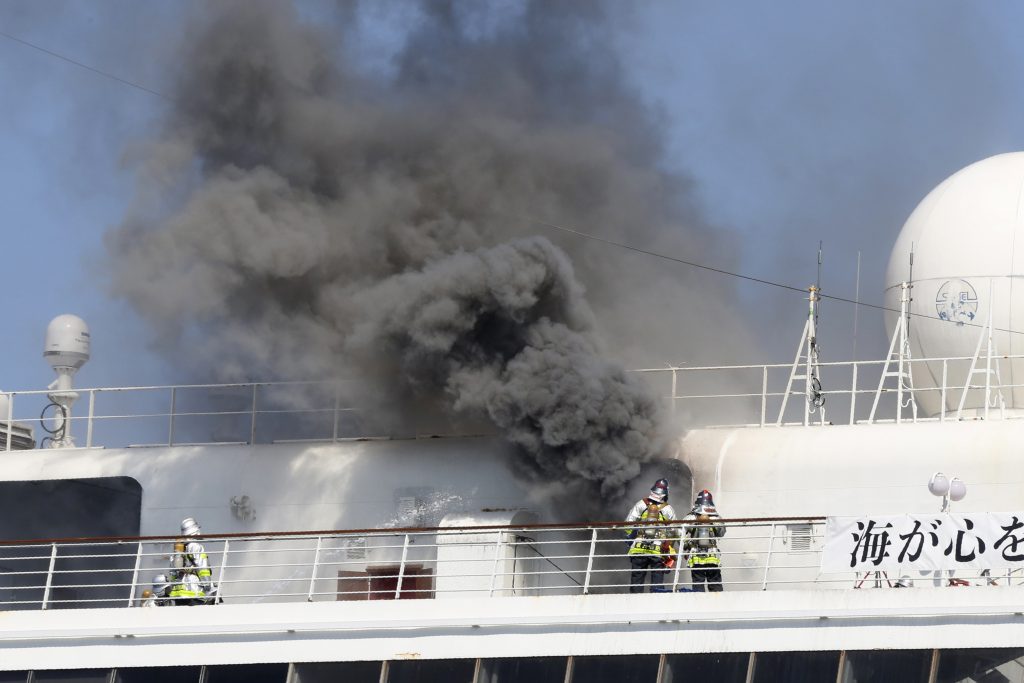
82 65
578 233
749 278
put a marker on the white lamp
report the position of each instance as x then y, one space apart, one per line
939 485
957 489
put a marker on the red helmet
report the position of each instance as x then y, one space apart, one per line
704 498
659 492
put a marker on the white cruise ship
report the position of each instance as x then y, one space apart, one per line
342 556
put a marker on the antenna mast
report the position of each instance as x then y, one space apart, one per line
807 358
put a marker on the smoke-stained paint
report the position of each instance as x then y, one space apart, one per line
296 219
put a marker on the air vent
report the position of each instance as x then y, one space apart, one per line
800 536
355 548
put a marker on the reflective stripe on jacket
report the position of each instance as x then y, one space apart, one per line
649 539
701 544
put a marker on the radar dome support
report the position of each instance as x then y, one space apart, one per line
67 348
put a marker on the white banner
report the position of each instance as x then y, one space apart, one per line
985 540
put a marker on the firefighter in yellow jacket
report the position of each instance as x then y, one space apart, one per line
651 548
190 568
701 544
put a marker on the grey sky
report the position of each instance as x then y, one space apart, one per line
796 121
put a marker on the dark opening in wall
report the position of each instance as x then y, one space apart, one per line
67 508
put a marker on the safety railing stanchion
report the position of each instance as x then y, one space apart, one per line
768 557
497 557
679 560
10 420
764 392
89 420
401 567
135 575
674 379
942 410
172 412
590 561
223 570
853 395
316 563
252 422
49 575
337 406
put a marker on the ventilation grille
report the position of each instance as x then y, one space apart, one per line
355 548
800 536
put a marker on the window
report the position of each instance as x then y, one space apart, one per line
795 667
431 671
882 666
247 673
617 669
720 668
159 674
331 672
977 666
73 676
523 670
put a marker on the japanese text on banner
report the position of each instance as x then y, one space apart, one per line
986 540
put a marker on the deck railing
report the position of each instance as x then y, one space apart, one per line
851 392
738 395
376 564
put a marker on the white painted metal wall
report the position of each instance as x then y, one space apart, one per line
851 470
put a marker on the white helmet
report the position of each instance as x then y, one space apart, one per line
160 583
190 527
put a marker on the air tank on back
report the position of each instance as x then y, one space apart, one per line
967 237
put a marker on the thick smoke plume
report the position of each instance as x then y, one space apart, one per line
299 217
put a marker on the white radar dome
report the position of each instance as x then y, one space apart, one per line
67 342
967 237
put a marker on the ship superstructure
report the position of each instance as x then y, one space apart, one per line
341 555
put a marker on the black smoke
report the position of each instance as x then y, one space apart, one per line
300 217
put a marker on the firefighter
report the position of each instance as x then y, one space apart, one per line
193 580
651 548
158 597
701 543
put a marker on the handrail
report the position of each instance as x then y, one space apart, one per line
426 563
324 411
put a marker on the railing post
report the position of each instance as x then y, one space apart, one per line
170 421
679 560
135 575
764 392
223 569
853 395
337 406
252 423
89 420
316 563
590 561
401 567
49 575
768 558
673 411
945 368
10 419
497 557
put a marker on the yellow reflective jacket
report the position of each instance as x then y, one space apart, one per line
651 539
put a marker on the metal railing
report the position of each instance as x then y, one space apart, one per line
277 412
851 391
194 414
756 555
